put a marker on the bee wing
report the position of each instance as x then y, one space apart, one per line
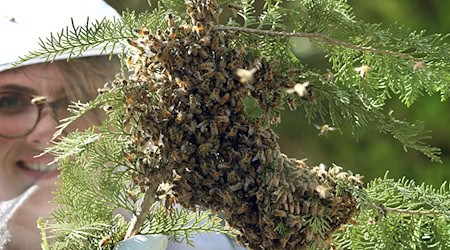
317 126
332 128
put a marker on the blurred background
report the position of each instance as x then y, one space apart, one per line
375 153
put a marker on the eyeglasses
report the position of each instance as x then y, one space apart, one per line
20 112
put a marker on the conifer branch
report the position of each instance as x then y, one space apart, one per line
317 35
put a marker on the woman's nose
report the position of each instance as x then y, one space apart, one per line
44 129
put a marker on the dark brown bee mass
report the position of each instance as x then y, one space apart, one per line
186 98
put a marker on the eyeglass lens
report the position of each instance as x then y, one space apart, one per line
18 116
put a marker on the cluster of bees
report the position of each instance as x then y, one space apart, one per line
184 101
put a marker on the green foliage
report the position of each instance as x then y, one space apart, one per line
399 215
399 63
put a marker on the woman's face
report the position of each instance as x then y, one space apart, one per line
20 167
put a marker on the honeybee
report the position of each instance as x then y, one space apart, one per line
233 131
239 50
242 208
232 177
324 129
356 179
215 41
363 70
181 117
170 20
205 148
223 119
207 66
215 174
301 89
142 31
235 187
214 128
322 191
234 8
135 45
104 241
224 98
38 100
220 77
197 28
171 33
246 76
233 65
280 213
205 41
418 66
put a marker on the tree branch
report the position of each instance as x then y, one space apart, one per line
317 35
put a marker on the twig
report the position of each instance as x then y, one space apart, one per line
147 202
412 212
317 35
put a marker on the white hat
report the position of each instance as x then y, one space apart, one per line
23 22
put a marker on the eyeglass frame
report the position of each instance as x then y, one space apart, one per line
40 102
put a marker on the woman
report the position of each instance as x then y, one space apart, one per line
33 98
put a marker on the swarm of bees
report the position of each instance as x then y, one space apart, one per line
185 97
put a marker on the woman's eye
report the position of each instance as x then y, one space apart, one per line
11 103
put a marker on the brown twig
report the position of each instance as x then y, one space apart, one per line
317 35
147 202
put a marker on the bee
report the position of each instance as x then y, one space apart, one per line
171 33
235 187
215 41
246 76
103 90
314 208
207 66
227 198
181 117
205 41
330 76
205 148
233 65
223 119
215 174
132 195
220 77
164 114
104 241
242 208
38 100
197 28
356 179
234 8
322 191
184 27
224 98
215 94
280 213
170 20
214 128
232 177
105 107
192 102
324 129
135 45
305 207
418 66
142 31
233 131
363 70
292 103
239 50
309 235
301 89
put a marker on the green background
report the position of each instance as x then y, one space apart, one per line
375 153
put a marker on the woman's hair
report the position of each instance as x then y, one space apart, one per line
83 76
